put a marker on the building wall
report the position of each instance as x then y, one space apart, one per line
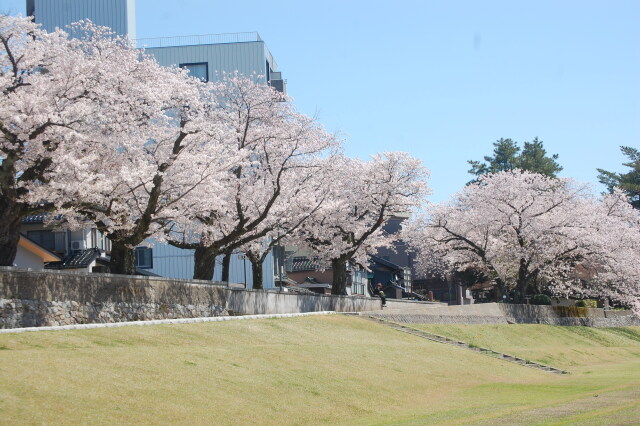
360 283
119 15
172 262
399 254
247 58
25 259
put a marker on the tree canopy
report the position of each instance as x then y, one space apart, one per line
528 231
507 155
101 134
628 182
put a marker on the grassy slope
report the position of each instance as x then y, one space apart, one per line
331 369
605 363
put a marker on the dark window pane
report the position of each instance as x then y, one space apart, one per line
45 238
198 70
144 257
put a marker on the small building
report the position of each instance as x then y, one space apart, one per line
85 249
395 279
441 289
309 271
89 260
315 286
398 255
31 255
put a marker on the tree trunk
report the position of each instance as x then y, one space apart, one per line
9 237
339 268
123 259
11 211
523 282
256 269
521 291
226 263
204 263
501 291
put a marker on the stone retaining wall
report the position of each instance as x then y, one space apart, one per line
15 313
412 305
500 313
42 298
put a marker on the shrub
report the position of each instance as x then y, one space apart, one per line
541 299
587 303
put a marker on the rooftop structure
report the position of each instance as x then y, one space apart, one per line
211 56
119 15
208 57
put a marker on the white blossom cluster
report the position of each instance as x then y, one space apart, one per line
522 229
94 129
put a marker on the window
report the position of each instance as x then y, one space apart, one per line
268 74
144 257
45 238
199 70
101 244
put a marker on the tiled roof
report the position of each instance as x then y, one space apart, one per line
384 262
297 290
285 280
76 260
38 218
304 264
319 285
311 282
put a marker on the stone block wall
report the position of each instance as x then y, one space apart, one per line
15 313
501 313
39 298
44 298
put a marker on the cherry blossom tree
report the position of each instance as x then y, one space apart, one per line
172 163
297 204
523 229
277 149
361 196
59 99
96 130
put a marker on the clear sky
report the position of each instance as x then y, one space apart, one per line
443 80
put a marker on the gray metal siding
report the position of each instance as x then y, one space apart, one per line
172 262
119 15
131 19
246 58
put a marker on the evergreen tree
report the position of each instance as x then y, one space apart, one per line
507 155
628 182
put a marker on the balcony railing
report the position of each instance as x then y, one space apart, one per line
197 39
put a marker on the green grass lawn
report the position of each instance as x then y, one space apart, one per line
317 370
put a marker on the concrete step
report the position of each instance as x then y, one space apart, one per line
464 345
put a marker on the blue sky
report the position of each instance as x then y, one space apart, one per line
443 80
